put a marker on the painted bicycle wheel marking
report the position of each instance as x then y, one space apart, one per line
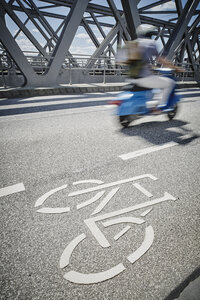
98 219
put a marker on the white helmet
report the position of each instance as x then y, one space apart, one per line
146 30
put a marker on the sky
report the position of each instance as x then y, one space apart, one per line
81 44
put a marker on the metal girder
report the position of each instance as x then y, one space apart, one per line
191 57
48 28
144 19
177 35
18 32
180 28
103 46
100 29
24 29
71 25
119 19
132 16
97 24
178 6
14 51
44 22
90 33
33 20
152 5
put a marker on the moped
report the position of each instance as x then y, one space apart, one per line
135 102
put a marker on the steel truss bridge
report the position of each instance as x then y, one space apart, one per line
52 61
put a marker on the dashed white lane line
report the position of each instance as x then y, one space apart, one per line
12 189
146 150
151 149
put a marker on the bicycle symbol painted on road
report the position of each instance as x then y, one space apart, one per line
105 220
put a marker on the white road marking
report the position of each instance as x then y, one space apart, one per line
147 150
123 220
106 185
65 257
53 210
41 200
82 278
143 190
105 201
148 240
99 236
90 201
88 181
12 189
122 232
146 212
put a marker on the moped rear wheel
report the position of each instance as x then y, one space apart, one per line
173 113
124 121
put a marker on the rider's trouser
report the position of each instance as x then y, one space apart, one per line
157 82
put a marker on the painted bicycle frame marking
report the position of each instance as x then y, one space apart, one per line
106 219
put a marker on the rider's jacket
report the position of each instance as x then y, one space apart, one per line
148 53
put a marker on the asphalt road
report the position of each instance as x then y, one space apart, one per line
133 231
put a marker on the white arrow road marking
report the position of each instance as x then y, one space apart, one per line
12 189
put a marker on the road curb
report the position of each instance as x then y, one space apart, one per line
74 89
188 289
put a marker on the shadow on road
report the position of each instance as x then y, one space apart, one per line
190 95
85 100
161 132
183 285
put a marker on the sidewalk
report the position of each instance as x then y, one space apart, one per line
74 89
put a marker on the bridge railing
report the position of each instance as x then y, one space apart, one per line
102 66
89 66
5 64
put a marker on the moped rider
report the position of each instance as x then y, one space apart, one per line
149 52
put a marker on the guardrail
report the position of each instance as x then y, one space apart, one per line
104 66
5 64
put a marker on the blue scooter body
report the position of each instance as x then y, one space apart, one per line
135 102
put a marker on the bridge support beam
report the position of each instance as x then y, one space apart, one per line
132 16
58 56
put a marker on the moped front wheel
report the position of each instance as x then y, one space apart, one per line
173 113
